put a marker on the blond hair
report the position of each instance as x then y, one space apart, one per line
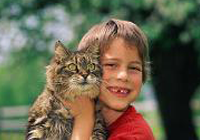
103 34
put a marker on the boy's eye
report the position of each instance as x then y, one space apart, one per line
72 67
135 68
91 67
110 65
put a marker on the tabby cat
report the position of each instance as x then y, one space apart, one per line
69 75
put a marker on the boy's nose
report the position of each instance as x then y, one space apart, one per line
122 75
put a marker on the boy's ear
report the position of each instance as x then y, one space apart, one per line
61 52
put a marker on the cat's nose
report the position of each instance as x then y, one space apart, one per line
85 76
84 81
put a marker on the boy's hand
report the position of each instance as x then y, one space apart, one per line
81 106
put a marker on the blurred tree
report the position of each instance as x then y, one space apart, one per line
28 32
173 30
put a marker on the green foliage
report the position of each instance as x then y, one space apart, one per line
22 77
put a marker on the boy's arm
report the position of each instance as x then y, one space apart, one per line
83 111
83 127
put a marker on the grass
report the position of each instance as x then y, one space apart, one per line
12 136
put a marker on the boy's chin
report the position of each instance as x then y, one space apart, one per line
119 107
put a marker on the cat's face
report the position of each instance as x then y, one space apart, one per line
75 73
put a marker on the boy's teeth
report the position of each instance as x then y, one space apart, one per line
123 91
115 90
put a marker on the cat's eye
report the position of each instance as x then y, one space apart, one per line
91 67
72 67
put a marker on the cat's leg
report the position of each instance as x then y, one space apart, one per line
99 132
66 135
53 127
36 128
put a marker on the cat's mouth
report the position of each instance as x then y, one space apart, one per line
85 87
84 83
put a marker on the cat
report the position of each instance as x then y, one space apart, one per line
70 74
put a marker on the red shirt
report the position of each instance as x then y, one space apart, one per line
130 126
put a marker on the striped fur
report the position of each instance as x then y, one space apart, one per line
70 74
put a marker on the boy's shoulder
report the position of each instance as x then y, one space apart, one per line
131 125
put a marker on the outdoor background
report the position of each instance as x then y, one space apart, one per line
30 28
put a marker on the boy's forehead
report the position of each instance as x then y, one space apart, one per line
120 41
119 49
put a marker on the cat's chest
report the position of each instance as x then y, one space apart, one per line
59 110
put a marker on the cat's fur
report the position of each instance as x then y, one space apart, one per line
69 75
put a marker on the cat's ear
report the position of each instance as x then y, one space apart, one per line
61 52
93 49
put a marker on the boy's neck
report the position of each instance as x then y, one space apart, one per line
110 115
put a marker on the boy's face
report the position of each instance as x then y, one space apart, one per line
122 75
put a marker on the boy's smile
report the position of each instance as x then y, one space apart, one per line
119 91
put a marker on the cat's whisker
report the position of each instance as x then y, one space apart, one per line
104 89
64 91
99 81
75 81
103 86
63 82
104 82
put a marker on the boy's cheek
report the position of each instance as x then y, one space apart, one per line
107 74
